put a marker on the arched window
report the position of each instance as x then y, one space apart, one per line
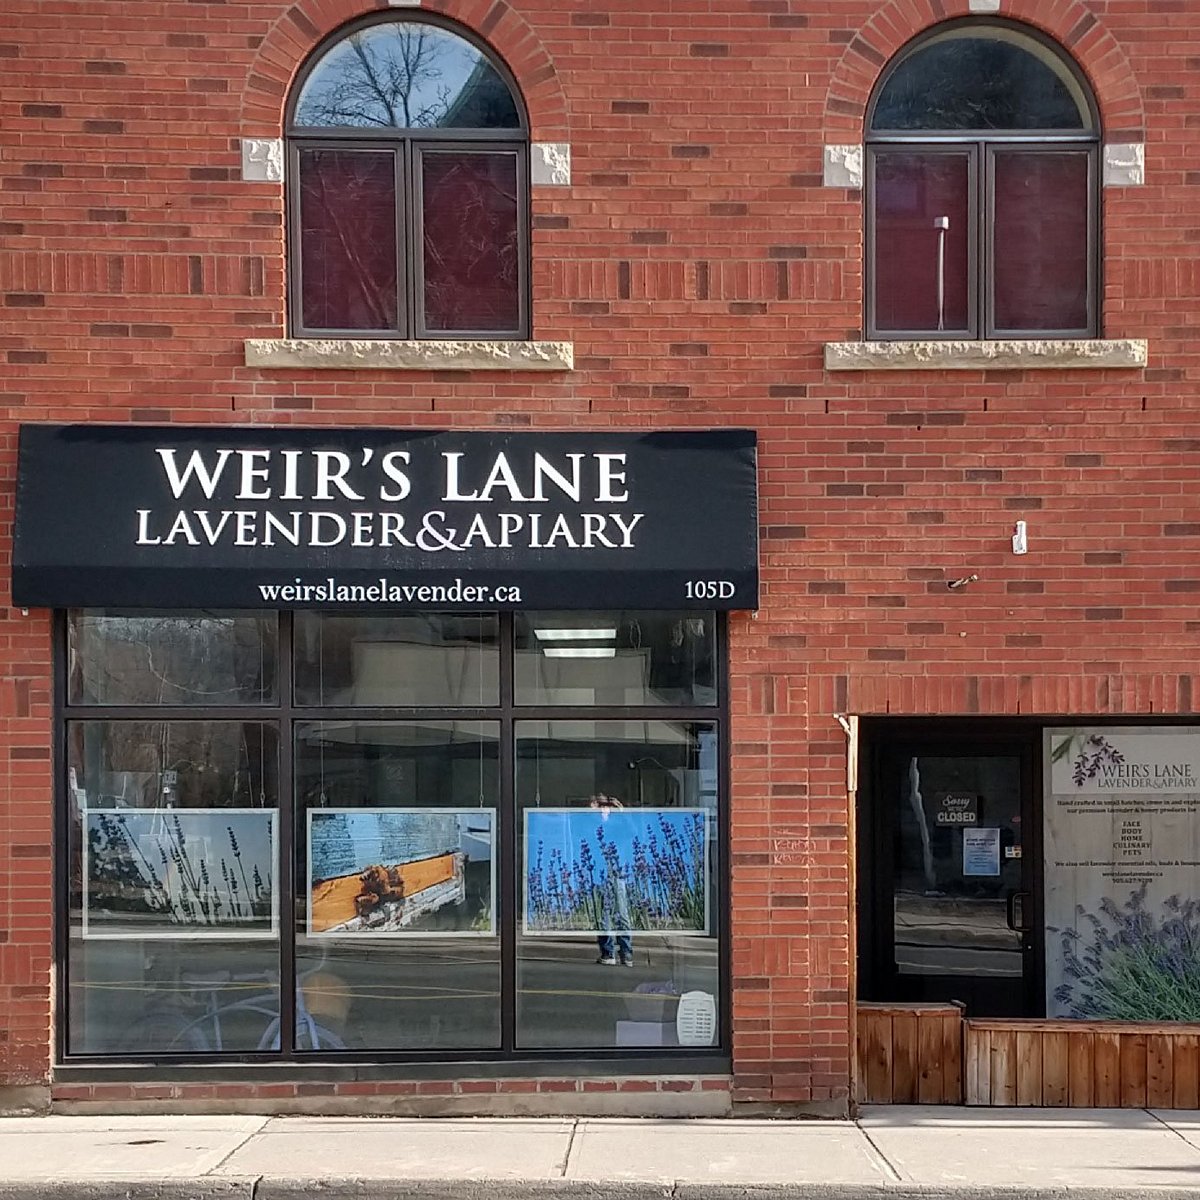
408 193
982 192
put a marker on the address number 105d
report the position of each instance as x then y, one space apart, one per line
708 589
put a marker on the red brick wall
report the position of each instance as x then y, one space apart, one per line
698 265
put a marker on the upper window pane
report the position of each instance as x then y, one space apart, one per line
967 78
616 658
405 75
432 659
182 658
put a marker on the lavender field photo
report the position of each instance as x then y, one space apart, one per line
168 873
600 872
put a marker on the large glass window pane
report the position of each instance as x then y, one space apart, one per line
469 226
616 658
1040 252
921 241
174 902
406 75
619 884
435 660
396 839
181 658
348 239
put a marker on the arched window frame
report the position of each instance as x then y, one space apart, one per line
981 147
409 146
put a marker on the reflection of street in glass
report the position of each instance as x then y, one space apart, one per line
611 872
395 871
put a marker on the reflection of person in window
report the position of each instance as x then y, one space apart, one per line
614 900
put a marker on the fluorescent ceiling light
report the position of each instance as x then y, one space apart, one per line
575 635
580 651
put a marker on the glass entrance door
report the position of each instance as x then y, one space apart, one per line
954 912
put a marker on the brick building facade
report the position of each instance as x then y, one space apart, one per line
702 250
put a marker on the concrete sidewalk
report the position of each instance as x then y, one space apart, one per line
888 1152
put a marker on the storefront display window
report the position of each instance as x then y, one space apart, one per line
619 869
398 835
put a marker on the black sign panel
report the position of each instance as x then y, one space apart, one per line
185 517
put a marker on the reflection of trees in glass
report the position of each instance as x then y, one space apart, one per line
177 659
185 764
405 75
975 83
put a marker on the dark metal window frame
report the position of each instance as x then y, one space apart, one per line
406 145
982 148
286 714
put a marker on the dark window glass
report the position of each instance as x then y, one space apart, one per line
397 935
469 227
961 81
183 658
436 660
619 887
1040 254
949 901
174 886
922 235
348 239
405 75
616 658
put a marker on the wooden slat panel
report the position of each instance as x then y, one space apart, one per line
1160 1074
1107 1065
904 1058
860 1056
1133 1070
977 1069
952 1056
929 1059
1003 1060
1055 1068
877 1036
1029 1067
1081 1091
1185 1087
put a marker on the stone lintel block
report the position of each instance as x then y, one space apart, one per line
843 166
1124 164
404 3
1010 353
262 160
983 6
550 164
387 354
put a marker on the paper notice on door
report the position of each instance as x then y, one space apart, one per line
981 852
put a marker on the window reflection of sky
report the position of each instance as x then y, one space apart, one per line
405 75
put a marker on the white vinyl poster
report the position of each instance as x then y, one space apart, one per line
1122 848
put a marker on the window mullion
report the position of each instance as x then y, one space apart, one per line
404 239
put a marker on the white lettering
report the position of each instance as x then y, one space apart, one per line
250 473
143 537
542 470
609 477
396 475
196 466
332 467
627 528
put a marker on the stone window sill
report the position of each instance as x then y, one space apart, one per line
1007 354
389 354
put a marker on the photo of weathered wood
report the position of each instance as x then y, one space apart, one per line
400 871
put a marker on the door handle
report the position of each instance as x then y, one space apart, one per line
1010 911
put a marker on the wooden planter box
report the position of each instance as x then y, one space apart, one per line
909 1054
1081 1064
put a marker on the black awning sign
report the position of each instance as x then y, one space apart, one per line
142 516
